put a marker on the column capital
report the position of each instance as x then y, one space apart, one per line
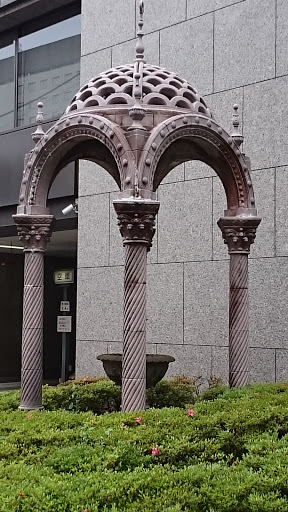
136 220
238 233
34 231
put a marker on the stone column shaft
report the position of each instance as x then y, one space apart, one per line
32 331
34 232
134 342
238 321
238 233
136 220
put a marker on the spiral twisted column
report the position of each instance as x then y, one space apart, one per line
136 220
238 234
34 232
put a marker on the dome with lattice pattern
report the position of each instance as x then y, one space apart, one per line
160 88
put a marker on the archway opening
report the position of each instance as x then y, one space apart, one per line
190 148
188 281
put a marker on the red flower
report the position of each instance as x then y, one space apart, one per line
190 412
20 494
29 416
138 420
155 450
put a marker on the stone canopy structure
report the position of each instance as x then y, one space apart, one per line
138 122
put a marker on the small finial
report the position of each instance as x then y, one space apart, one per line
38 134
139 44
137 112
236 135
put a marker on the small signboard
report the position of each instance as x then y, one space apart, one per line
65 276
64 323
65 305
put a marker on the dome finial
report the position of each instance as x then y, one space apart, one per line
137 112
236 135
139 44
38 134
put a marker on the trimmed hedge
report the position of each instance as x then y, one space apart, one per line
100 395
229 455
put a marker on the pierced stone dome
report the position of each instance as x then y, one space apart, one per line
160 87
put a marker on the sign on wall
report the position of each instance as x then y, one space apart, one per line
64 324
65 276
64 305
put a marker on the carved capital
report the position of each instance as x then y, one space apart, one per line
34 231
239 233
136 220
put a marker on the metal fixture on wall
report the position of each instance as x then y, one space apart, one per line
138 121
73 207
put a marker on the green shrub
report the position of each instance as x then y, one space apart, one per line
176 392
102 395
212 393
99 396
9 400
230 456
84 381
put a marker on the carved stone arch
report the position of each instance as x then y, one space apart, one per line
74 136
161 122
194 137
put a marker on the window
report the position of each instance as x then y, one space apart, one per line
47 69
7 88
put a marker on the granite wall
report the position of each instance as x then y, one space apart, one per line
232 51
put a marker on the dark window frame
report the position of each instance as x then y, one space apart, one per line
39 23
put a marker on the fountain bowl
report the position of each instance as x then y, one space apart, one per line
156 367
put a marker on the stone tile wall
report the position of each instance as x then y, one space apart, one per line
232 51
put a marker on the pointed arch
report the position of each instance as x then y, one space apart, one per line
194 137
75 136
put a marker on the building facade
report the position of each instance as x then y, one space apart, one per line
40 47
231 51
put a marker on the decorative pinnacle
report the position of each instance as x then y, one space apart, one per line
139 44
137 112
38 134
236 135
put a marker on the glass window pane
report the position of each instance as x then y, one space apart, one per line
5 2
7 90
48 69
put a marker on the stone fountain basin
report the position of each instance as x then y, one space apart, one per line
156 367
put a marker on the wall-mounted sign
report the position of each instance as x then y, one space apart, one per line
64 323
65 276
64 305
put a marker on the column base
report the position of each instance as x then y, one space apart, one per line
30 407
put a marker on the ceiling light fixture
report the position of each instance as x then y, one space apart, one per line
11 247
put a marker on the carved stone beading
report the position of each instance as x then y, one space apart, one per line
103 130
239 233
34 231
208 132
136 220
